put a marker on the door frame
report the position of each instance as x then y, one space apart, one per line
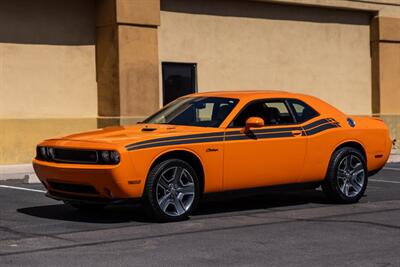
283 99
193 73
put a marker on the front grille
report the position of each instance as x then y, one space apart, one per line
78 156
75 156
73 188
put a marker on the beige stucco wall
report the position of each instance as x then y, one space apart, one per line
323 52
47 59
127 60
18 137
390 78
47 73
39 81
138 60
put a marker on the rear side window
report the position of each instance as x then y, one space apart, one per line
302 111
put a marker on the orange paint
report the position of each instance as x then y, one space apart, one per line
231 158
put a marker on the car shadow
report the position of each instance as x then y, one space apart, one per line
210 205
110 215
229 202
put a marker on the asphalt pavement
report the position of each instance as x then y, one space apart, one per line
298 228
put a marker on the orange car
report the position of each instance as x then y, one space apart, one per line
213 142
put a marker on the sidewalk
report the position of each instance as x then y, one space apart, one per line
26 173
394 156
23 172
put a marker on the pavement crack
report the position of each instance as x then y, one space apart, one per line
14 232
24 235
384 225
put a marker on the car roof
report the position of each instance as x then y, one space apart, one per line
321 106
251 94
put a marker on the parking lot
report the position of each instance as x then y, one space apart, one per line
274 229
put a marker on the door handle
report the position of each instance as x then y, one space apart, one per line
297 133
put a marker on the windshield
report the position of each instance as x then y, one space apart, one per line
194 111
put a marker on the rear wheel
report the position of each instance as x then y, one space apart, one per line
347 177
172 190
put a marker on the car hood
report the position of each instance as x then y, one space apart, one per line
124 135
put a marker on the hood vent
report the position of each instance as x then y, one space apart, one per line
148 129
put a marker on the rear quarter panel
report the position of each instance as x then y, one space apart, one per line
372 134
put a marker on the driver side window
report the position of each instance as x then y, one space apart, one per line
273 112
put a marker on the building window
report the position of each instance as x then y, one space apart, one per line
179 79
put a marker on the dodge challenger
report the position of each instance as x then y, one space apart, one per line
214 142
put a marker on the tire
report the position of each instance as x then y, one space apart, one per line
172 191
347 176
87 207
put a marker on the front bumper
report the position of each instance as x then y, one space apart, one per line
82 181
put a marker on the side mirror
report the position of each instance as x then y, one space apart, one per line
253 122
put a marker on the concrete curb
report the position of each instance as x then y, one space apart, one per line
394 156
23 172
26 173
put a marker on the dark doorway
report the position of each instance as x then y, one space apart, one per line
179 79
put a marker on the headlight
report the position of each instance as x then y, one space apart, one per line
115 157
50 153
105 156
41 152
109 157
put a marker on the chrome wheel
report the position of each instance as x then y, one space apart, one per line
351 175
175 191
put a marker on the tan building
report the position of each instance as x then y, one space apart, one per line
74 65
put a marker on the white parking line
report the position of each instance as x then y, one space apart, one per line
384 181
22 188
392 169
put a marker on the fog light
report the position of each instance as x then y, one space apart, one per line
105 155
115 157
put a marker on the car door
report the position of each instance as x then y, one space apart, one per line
270 155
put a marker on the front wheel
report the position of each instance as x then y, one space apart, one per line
347 178
172 190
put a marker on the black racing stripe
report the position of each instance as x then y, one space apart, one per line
310 129
267 130
315 124
321 128
316 127
217 134
178 142
333 121
306 127
259 136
